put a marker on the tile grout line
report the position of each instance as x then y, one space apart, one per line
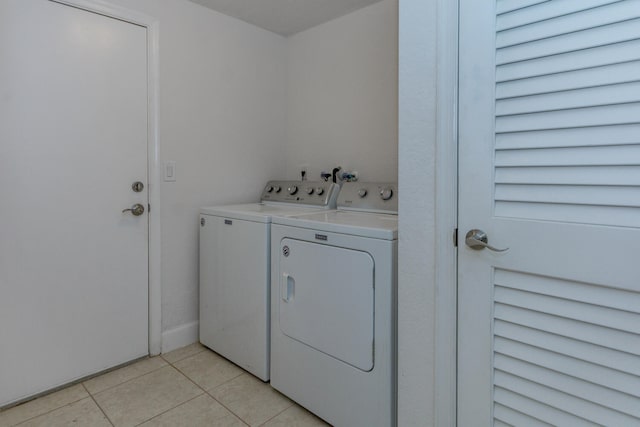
226 407
98 405
129 380
183 358
209 394
170 409
91 395
47 412
285 409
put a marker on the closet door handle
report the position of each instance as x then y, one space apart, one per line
287 287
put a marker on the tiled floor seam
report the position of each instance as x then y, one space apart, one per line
171 409
182 358
124 382
48 412
98 405
226 407
285 409
198 385
209 394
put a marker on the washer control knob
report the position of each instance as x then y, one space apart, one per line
292 190
386 193
362 192
277 188
319 191
309 190
269 189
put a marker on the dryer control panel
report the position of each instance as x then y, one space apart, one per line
379 197
312 193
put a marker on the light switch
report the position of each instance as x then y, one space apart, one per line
170 171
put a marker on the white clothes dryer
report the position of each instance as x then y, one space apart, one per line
235 269
333 304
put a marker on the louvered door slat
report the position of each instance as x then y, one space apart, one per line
585 39
573 291
569 385
511 417
506 399
588 313
570 175
599 16
582 59
544 11
571 99
596 374
607 155
569 346
504 6
594 334
569 194
579 117
570 137
606 75
561 401
575 214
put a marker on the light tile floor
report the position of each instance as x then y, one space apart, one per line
191 386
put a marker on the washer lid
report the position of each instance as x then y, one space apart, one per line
257 212
365 224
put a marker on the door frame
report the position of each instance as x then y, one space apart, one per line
153 153
428 125
446 207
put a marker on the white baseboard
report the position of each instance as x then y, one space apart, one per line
179 337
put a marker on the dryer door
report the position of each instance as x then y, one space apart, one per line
327 300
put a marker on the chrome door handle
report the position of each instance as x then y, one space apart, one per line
136 209
477 240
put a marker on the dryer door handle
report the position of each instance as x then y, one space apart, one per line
287 287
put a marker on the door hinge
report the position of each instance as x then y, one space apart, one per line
455 237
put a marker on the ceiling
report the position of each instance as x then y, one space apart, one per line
285 17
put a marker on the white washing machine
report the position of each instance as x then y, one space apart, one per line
333 305
235 269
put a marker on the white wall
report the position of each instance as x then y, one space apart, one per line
222 109
240 103
341 95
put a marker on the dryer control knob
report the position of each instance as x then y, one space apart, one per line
277 188
386 193
269 189
309 190
362 192
292 190
319 191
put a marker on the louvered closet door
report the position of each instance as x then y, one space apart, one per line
549 331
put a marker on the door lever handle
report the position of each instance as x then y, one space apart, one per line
478 240
136 209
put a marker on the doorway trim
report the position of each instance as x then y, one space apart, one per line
153 153
427 272
446 206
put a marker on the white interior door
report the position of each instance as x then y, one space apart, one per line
73 139
549 331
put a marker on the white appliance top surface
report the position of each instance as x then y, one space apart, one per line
365 224
257 212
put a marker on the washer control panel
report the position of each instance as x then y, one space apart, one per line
313 193
369 196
